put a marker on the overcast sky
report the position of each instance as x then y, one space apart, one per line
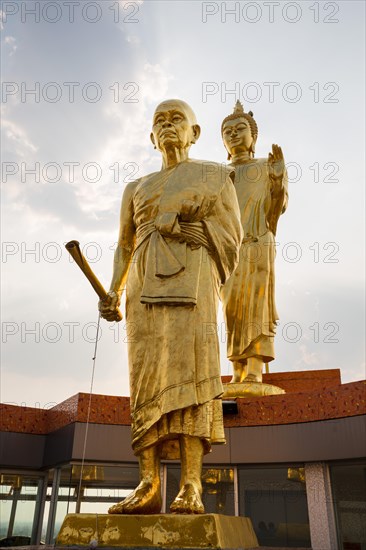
80 83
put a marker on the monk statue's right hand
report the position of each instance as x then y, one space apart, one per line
108 307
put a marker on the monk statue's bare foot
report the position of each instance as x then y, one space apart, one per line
145 499
188 501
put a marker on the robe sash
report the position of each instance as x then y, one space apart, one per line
173 260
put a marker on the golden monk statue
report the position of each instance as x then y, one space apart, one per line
249 295
179 240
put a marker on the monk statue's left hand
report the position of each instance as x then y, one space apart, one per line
276 166
189 210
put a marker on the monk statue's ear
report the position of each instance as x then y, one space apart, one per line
196 129
152 140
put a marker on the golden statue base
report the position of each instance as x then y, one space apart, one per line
250 389
173 531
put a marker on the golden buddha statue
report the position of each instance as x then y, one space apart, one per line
179 241
249 295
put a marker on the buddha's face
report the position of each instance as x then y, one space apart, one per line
174 126
237 136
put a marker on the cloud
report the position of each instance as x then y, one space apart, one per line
17 137
11 42
307 357
124 154
128 139
133 39
155 82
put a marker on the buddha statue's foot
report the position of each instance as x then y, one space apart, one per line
188 501
145 499
253 378
239 373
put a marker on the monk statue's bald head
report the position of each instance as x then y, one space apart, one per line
180 105
174 127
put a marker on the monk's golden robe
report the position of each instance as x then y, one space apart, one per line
183 226
249 295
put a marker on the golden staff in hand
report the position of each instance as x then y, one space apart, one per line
74 250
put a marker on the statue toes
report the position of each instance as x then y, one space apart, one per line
116 508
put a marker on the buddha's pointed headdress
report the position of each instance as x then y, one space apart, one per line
239 112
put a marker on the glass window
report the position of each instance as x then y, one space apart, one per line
18 505
275 500
217 485
46 512
45 521
349 494
66 504
5 508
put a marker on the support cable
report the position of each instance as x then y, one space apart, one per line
78 503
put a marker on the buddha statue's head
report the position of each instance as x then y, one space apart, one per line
239 132
174 125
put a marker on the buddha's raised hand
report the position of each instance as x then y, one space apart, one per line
276 165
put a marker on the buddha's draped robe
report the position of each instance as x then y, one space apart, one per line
249 295
183 228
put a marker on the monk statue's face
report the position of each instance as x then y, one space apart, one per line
174 126
237 136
